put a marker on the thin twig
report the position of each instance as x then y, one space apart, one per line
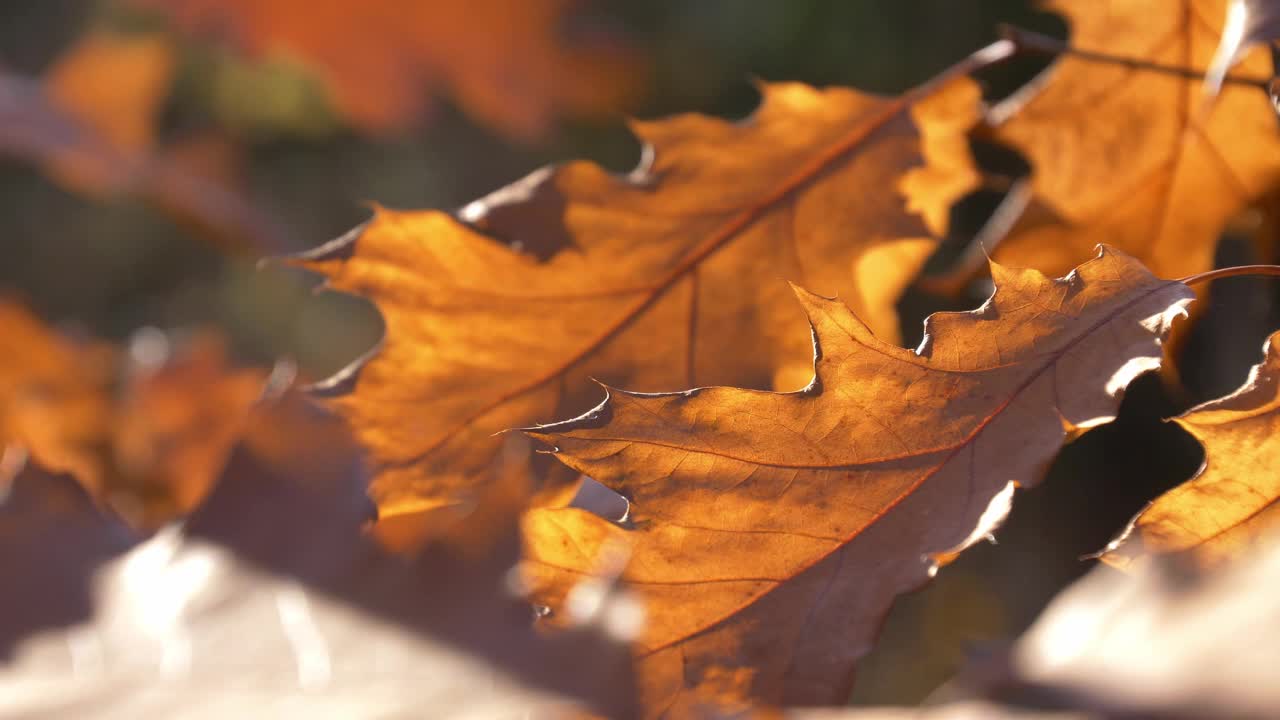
1238 271
1027 41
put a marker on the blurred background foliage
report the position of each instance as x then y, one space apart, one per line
103 259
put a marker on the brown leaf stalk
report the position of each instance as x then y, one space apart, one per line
1029 42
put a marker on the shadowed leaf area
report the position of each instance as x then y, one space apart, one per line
270 596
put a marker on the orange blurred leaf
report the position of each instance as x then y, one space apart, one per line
146 435
770 532
115 85
668 277
172 429
54 396
512 64
91 124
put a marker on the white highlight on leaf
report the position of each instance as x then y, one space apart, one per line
991 518
1229 46
599 601
1158 325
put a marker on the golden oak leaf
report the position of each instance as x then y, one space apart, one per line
770 532
652 280
506 62
1134 158
1230 505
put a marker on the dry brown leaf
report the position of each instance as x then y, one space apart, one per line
1231 504
770 532
509 63
1129 157
668 277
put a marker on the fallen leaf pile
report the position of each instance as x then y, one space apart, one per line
752 469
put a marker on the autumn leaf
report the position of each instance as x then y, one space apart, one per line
116 86
143 432
770 532
1230 505
509 63
54 401
174 424
668 277
1132 157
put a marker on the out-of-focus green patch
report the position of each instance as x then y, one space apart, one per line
267 97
